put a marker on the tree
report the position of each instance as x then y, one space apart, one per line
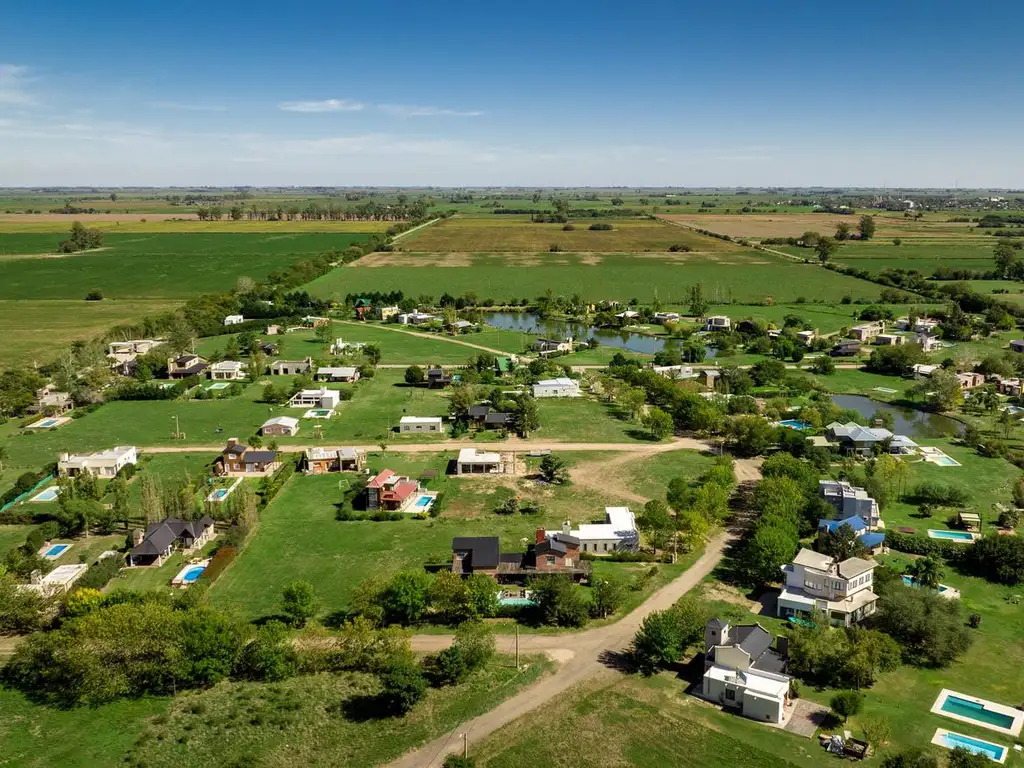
866 227
825 247
402 686
298 602
269 656
554 469
607 595
119 490
769 547
841 543
655 521
941 390
1005 256
459 761
929 628
809 239
698 304
559 602
414 376
658 422
911 757
961 757
847 703
998 558
96 294
842 231
526 414
658 643
876 730
372 353
823 365
475 642
751 435
404 599
926 571
633 399
324 333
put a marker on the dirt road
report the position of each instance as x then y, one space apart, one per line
581 654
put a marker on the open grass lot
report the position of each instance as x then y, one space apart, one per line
852 381
474 235
748 277
877 255
182 222
825 318
647 723
36 331
583 420
1014 294
651 476
151 265
12 536
398 346
310 720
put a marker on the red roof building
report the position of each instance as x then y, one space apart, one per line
390 491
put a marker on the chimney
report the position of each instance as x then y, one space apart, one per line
137 536
566 527
541 535
782 646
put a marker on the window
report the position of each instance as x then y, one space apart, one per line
550 559
568 562
730 694
606 546
584 546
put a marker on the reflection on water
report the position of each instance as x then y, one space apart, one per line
907 421
634 342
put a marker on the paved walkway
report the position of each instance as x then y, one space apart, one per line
582 654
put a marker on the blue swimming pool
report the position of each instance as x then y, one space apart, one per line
424 502
992 751
795 424
193 573
518 601
911 582
219 494
49 494
56 550
975 710
962 536
48 423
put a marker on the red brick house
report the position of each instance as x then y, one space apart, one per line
391 491
237 459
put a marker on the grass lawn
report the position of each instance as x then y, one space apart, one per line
579 419
651 476
12 536
600 356
855 381
496 234
648 723
732 276
312 720
320 720
36 331
146 579
173 266
115 225
974 254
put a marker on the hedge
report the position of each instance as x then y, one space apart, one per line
100 572
922 545
273 484
221 559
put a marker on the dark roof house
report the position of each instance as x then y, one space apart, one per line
161 538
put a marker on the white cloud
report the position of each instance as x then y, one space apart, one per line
13 82
184 107
326 105
406 110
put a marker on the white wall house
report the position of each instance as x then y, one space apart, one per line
743 672
817 584
676 372
551 346
421 424
227 370
617 533
233 320
315 398
101 464
337 373
472 461
850 500
560 387
415 318
717 323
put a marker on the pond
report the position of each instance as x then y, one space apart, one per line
907 421
528 322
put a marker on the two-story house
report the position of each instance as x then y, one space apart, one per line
816 584
744 672
391 491
186 365
717 323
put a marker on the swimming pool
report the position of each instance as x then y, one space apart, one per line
794 424
943 589
49 422
48 494
54 551
189 574
517 601
318 413
961 536
423 502
945 461
987 714
219 494
219 385
952 740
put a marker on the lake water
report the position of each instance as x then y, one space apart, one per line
633 342
907 421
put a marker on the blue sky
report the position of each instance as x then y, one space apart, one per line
528 93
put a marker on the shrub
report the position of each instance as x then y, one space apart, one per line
402 686
100 572
847 703
974 621
569 228
94 295
601 227
221 559
446 667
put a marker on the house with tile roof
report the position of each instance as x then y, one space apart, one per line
816 585
391 491
871 540
161 539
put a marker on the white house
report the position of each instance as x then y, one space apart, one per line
742 671
337 373
421 424
676 372
227 370
233 320
315 398
552 346
927 342
660 318
867 331
806 336
560 387
816 584
415 318
57 581
101 464
717 323
925 370
889 339
617 533
627 314
472 461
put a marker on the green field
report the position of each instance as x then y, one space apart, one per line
739 276
925 258
503 233
37 330
174 266
310 720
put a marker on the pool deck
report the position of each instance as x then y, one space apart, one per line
179 580
1016 714
940 734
